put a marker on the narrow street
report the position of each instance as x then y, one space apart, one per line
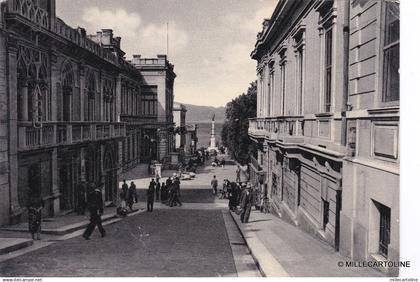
192 240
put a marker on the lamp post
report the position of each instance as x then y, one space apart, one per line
157 145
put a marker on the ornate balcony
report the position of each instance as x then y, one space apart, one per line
70 133
29 10
287 129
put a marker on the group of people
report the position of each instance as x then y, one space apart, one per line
128 195
240 194
168 192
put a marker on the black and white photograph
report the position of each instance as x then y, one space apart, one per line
203 138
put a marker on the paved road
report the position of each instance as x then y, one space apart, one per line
170 242
192 240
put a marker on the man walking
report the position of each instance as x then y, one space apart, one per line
151 195
214 185
247 200
176 193
96 209
157 189
132 195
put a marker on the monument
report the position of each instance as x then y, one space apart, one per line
212 146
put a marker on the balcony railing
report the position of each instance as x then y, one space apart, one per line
59 133
29 10
284 128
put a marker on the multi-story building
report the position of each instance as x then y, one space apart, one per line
63 96
180 112
327 121
157 88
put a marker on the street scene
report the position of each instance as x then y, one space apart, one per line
200 138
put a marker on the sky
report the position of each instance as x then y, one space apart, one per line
209 40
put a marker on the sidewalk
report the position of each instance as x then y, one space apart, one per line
283 250
16 240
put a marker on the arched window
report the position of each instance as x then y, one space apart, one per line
90 98
67 84
108 100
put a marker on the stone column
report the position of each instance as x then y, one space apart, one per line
24 101
118 99
83 98
55 181
15 210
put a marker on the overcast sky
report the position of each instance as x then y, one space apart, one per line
209 40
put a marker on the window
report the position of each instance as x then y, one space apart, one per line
384 229
391 49
149 100
299 46
326 27
299 80
270 91
328 70
283 80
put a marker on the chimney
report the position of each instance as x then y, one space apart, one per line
136 59
107 36
118 41
161 58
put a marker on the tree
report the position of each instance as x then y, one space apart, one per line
235 129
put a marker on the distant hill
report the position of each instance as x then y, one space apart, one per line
203 114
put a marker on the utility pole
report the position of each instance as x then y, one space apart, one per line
167 40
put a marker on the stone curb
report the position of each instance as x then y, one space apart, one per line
266 262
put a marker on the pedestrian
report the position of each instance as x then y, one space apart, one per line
81 198
176 193
124 194
214 185
238 174
163 192
131 195
151 195
222 162
95 206
158 192
247 201
35 205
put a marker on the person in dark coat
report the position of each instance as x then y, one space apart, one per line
176 193
151 195
81 198
214 184
247 201
131 195
124 194
158 192
35 205
163 192
95 206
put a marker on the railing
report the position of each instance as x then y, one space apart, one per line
69 133
30 11
277 127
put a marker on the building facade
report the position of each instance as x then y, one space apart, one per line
157 88
67 102
327 122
